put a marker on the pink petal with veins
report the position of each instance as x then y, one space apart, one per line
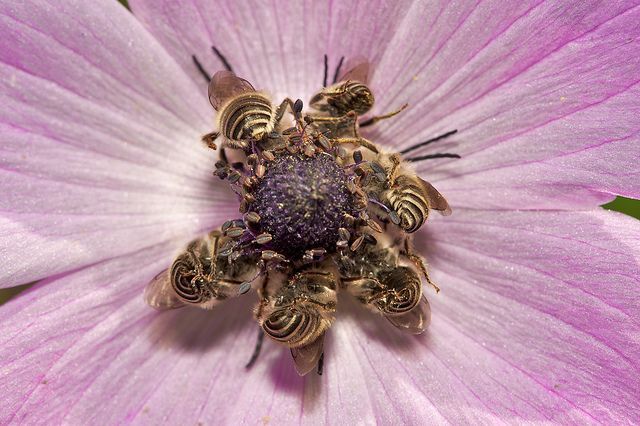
99 149
516 95
512 339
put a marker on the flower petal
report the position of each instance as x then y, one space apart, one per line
529 105
547 305
513 339
278 47
544 96
87 338
99 140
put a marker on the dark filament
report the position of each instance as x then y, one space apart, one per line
256 350
326 70
427 142
337 73
222 58
431 156
204 72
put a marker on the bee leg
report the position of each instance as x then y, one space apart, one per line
242 145
209 139
357 141
374 120
395 159
342 122
418 262
256 350
296 108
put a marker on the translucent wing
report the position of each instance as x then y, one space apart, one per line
358 69
160 295
415 321
225 85
435 198
306 357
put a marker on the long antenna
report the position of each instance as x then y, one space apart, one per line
429 141
222 58
337 73
326 70
204 72
432 156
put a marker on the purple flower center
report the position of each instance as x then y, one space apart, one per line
302 201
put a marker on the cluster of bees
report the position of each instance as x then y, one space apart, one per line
275 162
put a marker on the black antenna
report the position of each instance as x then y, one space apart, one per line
432 156
430 141
337 73
321 364
326 70
204 73
222 58
256 350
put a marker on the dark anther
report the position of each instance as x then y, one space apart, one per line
337 73
244 287
222 58
238 165
256 350
204 72
357 156
429 141
320 364
432 156
326 70
377 168
297 106
370 239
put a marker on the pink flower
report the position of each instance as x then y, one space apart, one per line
103 178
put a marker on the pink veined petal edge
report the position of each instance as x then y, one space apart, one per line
514 338
99 149
543 93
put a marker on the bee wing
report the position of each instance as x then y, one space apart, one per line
160 295
415 321
225 85
436 199
358 69
306 357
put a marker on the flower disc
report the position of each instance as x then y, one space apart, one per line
302 202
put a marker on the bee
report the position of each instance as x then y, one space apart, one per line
202 275
384 278
244 114
404 197
339 105
293 185
350 93
298 313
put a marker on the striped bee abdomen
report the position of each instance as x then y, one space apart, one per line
408 200
406 291
294 327
184 282
246 116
